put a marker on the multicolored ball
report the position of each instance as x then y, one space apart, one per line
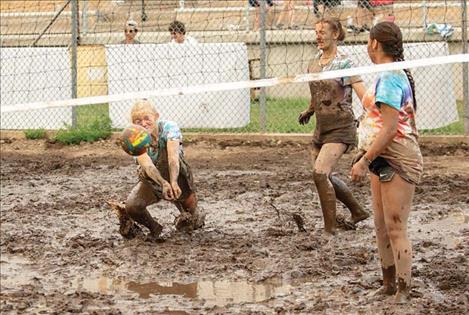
135 140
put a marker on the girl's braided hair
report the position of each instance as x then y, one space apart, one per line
390 37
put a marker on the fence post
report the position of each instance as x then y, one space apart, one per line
465 68
263 64
73 47
84 17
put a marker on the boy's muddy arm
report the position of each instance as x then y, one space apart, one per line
173 161
150 169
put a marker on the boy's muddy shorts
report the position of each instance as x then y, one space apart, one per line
185 179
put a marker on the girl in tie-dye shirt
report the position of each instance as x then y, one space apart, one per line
389 149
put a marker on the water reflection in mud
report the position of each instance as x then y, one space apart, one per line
219 293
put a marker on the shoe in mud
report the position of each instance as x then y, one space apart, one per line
128 228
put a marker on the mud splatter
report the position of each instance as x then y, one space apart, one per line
57 196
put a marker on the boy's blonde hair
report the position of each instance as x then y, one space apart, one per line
142 107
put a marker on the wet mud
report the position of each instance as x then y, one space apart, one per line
262 251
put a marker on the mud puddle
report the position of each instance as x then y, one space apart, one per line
447 229
213 293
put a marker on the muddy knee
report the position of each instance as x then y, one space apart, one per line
133 208
395 232
190 202
320 178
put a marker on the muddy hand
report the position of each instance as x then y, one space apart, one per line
358 156
176 190
304 117
359 171
167 191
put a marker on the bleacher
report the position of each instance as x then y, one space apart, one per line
22 21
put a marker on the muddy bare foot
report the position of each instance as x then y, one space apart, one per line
345 224
128 228
401 297
384 291
363 215
184 222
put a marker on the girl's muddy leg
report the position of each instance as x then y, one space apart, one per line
397 198
326 159
343 193
384 244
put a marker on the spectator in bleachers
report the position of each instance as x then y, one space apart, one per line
131 29
286 16
369 12
178 34
257 5
328 7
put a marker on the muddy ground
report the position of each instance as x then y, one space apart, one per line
61 251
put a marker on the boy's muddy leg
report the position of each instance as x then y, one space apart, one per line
128 229
190 218
343 193
140 197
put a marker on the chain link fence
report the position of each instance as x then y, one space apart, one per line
55 50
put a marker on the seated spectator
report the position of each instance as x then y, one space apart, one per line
130 30
256 4
328 8
286 16
178 34
368 13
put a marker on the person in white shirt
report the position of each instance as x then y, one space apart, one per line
130 30
178 34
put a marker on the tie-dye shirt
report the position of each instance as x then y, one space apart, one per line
403 153
391 88
167 131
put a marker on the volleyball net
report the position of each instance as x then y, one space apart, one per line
240 68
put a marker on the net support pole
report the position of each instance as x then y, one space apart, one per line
74 56
465 68
263 65
84 17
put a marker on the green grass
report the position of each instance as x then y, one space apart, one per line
93 123
281 116
34 134
456 128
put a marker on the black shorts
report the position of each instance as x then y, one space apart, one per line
255 3
365 4
381 168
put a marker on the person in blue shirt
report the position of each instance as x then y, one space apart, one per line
163 174
389 150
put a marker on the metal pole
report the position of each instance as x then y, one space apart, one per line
74 58
263 65
144 14
84 17
424 14
465 68
50 23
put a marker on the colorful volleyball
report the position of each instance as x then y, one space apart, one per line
135 140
